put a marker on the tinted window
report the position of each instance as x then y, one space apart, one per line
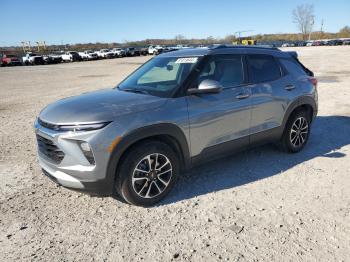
263 68
293 68
226 69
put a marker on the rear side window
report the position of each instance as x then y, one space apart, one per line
293 68
263 68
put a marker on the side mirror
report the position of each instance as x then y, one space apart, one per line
207 86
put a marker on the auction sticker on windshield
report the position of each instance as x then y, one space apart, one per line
186 60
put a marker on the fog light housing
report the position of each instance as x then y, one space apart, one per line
87 151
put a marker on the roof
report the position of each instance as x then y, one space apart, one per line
227 49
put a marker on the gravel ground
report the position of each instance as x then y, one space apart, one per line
258 205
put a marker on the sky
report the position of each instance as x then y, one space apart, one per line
83 21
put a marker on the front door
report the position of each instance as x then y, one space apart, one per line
219 121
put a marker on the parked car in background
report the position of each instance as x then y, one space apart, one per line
71 56
166 49
317 43
32 59
144 50
118 52
333 42
154 50
130 51
346 42
309 43
300 43
52 58
105 53
88 55
10 60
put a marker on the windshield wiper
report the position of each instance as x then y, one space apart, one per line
141 91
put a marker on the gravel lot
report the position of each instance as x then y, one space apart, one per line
258 205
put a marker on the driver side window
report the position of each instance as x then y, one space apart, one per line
225 69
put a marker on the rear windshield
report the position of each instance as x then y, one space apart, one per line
293 67
306 70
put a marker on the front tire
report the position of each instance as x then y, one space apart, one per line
296 133
148 173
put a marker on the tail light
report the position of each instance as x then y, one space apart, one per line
313 81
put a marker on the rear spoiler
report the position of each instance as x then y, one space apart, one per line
293 53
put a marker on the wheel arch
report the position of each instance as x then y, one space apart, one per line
165 132
307 103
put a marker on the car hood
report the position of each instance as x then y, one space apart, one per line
98 106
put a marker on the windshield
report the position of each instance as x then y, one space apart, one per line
160 76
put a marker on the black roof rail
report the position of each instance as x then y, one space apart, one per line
220 46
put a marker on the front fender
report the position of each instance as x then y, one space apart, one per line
141 133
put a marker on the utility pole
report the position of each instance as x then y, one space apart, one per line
322 29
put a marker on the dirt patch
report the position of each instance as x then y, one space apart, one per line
327 79
131 63
340 72
92 76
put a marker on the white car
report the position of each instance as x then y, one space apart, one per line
154 49
118 52
105 53
88 55
309 43
32 59
70 56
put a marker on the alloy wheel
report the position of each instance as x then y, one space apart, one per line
299 132
152 175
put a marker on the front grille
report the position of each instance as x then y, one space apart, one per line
49 149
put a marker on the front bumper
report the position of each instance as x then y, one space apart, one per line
73 170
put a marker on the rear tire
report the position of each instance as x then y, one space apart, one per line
147 173
296 133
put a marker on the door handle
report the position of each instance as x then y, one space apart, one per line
289 87
242 96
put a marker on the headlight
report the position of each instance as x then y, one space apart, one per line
78 127
83 127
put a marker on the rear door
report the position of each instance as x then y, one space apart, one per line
270 90
216 119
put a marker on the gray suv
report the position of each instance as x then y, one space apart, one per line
177 110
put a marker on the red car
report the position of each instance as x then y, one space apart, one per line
10 60
317 43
